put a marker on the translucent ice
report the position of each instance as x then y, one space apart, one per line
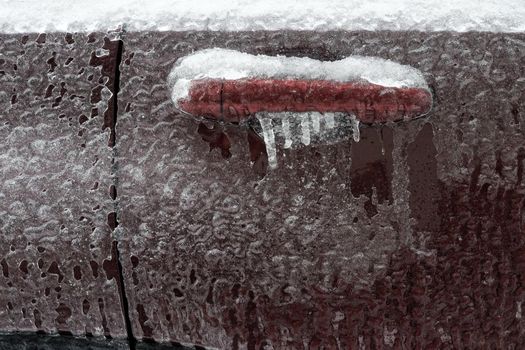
285 124
305 131
355 128
294 130
269 139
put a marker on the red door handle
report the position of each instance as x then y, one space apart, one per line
233 86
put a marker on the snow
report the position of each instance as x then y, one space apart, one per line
227 64
247 15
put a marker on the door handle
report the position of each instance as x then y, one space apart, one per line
234 86
297 99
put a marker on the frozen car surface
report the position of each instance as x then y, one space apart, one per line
55 179
122 217
404 238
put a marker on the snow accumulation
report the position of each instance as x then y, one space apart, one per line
227 64
246 15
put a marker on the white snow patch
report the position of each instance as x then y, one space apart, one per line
247 15
218 63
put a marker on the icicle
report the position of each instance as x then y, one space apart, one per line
316 123
329 120
269 138
305 131
285 124
356 134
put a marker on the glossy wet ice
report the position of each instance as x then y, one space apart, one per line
56 116
411 237
342 242
293 130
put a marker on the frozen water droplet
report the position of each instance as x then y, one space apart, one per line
101 52
269 138
382 143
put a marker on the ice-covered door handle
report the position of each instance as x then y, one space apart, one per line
297 99
233 86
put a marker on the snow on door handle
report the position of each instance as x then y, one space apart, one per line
297 99
234 86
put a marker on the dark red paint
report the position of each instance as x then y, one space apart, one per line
237 100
